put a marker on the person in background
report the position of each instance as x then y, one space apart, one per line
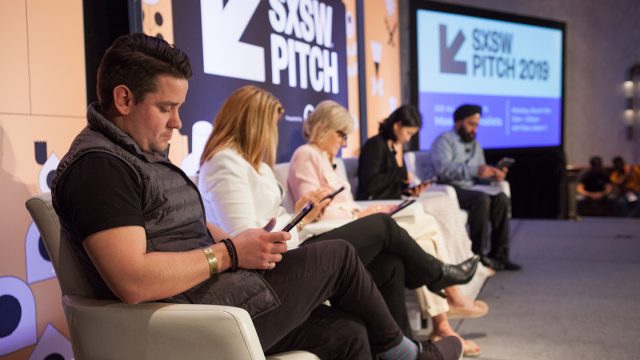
240 190
457 159
312 166
595 189
137 224
626 180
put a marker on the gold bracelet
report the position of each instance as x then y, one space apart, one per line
212 259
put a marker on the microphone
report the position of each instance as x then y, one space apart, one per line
467 150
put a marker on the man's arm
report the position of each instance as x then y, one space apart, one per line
217 232
136 276
442 155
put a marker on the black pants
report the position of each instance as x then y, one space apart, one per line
484 209
358 321
393 258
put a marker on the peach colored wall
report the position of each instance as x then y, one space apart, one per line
42 98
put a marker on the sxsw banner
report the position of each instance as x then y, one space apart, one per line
513 70
295 49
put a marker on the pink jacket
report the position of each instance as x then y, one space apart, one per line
311 169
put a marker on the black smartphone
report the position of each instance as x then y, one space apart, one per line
296 219
505 162
333 194
402 205
425 182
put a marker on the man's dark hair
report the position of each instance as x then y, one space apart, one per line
466 110
596 162
618 161
135 61
406 115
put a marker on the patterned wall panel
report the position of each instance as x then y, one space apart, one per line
382 58
42 106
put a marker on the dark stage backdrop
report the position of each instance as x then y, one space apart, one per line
298 54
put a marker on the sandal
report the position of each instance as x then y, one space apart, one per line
479 309
470 348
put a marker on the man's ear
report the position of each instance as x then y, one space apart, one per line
122 99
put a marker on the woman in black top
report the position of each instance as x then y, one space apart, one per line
381 170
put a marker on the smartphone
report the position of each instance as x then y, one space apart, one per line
299 216
505 162
425 182
333 194
402 205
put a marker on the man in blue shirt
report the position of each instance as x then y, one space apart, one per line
458 159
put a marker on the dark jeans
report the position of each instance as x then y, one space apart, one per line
358 321
484 209
393 258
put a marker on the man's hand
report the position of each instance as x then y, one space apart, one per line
259 249
596 195
500 174
485 171
488 171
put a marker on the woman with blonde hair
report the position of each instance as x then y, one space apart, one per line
312 166
240 191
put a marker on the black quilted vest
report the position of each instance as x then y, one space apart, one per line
173 216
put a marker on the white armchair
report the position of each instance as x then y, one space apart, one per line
102 329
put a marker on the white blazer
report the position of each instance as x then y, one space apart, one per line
237 197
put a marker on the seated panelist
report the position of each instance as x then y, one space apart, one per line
457 158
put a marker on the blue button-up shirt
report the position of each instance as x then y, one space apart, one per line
454 161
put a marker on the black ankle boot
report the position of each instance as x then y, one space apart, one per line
455 274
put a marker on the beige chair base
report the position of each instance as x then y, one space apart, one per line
102 329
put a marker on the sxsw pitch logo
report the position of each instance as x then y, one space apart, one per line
300 43
448 52
224 53
491 56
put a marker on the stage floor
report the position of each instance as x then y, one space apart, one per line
577 297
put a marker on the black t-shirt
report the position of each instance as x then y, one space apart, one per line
99 179
594 181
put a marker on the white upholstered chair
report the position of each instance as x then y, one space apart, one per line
102 329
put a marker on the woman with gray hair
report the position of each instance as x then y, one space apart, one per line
312 166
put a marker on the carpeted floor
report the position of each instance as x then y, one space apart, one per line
577 297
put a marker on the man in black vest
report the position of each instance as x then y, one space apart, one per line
137 224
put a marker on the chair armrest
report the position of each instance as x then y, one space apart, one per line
294 355
112 330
